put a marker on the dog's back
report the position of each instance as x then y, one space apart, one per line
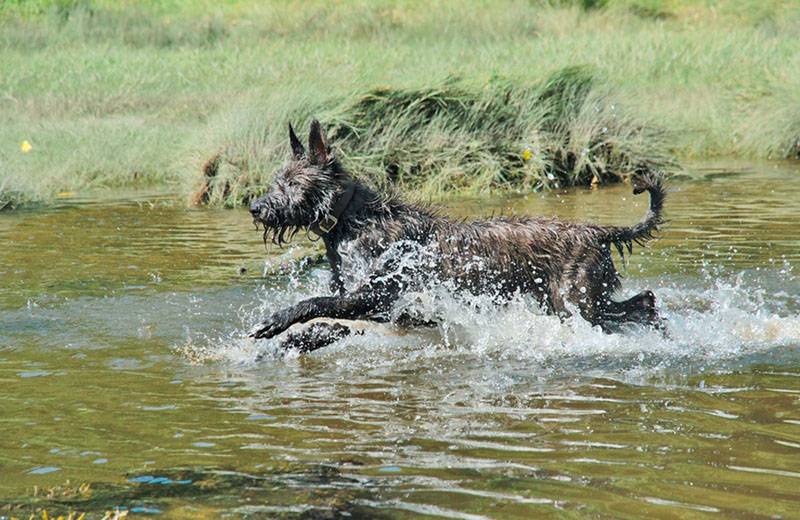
501 256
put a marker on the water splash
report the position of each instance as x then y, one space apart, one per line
717 321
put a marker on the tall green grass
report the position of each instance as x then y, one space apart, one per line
131 93
565 130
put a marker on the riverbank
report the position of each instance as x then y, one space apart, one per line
100 94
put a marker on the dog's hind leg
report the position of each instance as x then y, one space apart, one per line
316 336
638 309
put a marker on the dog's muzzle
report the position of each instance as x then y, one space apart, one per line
259 212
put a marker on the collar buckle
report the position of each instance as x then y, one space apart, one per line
328 223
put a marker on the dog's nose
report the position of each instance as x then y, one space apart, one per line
255 209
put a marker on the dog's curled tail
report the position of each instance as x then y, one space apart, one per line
644 230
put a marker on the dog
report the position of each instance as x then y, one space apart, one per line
380 247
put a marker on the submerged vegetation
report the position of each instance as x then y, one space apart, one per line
209 490
158 93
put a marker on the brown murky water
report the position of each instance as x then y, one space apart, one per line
123 366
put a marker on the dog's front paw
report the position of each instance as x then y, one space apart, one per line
272 326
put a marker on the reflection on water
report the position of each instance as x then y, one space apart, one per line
124 367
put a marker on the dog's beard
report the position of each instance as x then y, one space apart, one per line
278 234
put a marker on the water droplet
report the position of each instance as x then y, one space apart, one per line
43 470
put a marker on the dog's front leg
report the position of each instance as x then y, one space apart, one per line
369 299
316 336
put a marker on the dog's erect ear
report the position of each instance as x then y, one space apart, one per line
297 147
317 145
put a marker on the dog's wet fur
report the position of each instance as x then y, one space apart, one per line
379 247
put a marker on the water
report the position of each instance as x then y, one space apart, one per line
127 382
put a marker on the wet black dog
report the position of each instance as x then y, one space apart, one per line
379 247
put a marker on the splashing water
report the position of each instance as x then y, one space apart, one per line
719 321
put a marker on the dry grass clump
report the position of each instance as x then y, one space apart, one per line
566 130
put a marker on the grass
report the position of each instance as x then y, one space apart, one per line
444 139
113 94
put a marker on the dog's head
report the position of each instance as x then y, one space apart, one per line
303 191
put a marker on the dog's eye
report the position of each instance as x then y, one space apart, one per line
293 182
288 187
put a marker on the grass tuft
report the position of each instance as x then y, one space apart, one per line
565 131
771 129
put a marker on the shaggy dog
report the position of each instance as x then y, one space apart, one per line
380 247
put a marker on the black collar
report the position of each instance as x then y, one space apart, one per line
329 221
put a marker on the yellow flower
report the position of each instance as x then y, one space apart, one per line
25 146
526 155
